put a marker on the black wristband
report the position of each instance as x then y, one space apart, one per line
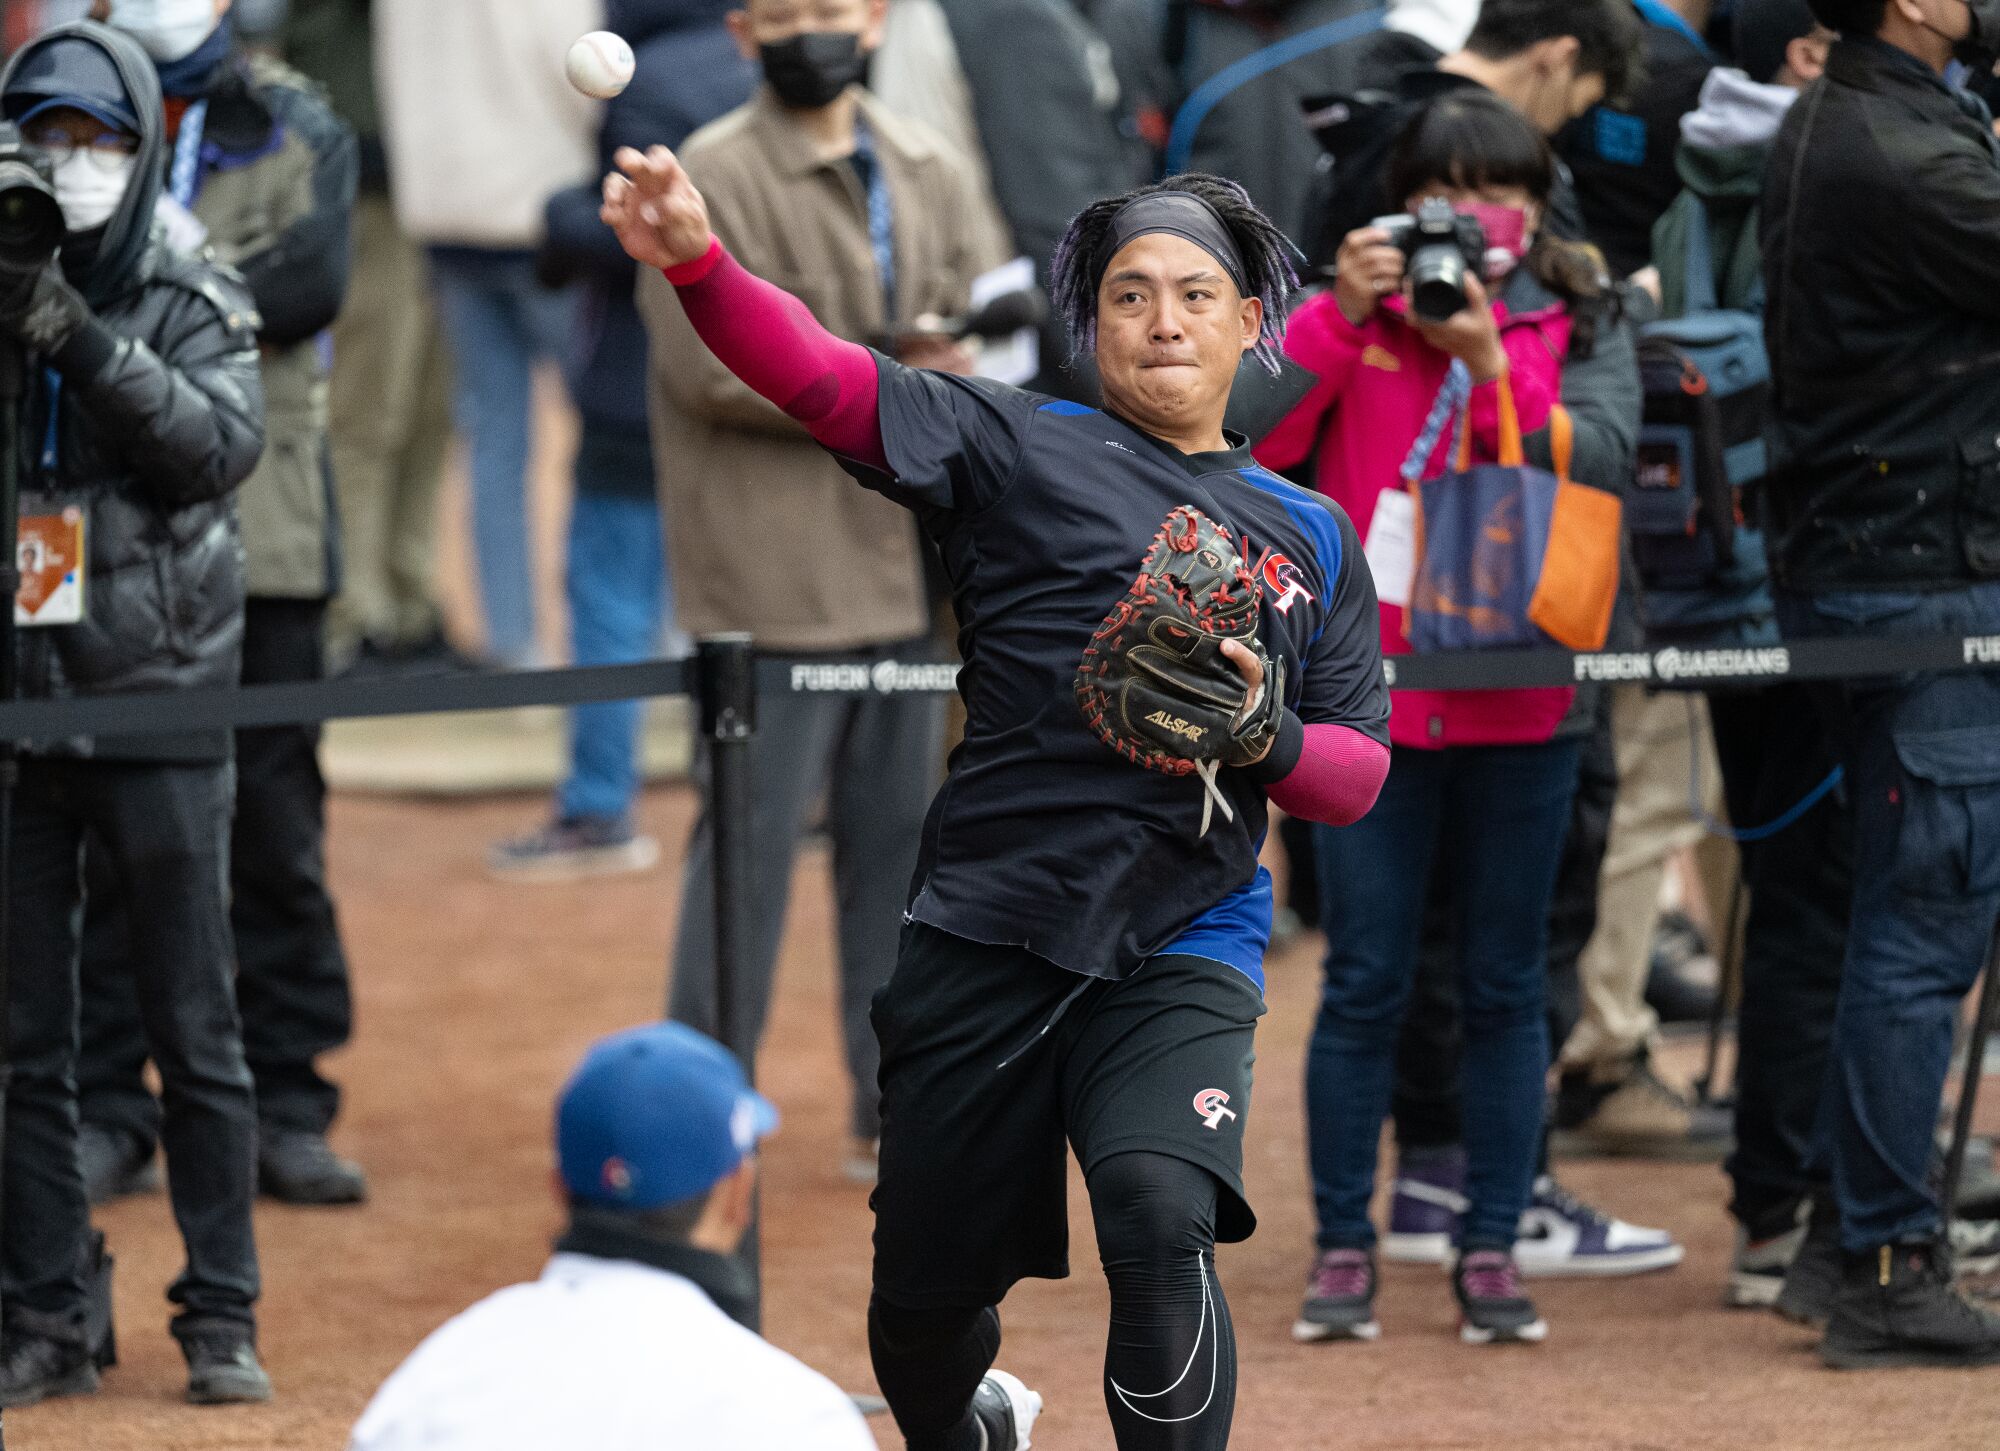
86 352
1283 757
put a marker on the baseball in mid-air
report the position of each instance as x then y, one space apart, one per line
600 64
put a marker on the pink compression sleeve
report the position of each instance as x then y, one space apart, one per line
1338 776
771 341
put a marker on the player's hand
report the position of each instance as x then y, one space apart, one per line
659 216
1252 670
1367 270
1471 335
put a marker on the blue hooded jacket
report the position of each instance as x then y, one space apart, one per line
689 73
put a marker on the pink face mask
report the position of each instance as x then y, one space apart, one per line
1507 239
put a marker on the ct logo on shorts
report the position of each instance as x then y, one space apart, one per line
1213 1106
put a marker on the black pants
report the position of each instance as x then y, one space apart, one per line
291 981
1169 1354
1773 748
1427 1098
165 829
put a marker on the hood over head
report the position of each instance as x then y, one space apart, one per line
1725 141
77 64
1736 111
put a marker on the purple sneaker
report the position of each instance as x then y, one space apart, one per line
1493 1305
1426 1203
1340 1298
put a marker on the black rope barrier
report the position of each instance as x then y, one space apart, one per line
225 708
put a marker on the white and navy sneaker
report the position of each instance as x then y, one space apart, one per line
1006 1411
1563 1236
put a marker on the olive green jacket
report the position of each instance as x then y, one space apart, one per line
276 194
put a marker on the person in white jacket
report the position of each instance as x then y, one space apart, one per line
481 128
630 1340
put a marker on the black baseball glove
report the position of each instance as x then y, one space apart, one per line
1154 683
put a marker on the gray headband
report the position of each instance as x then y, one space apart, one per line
1177 214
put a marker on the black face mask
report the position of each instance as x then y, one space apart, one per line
812 68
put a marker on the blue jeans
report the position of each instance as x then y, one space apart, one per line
1923 769
500 321
617 600
1498 816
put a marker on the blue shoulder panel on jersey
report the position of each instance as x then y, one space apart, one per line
1311 515
1063 408
1234 932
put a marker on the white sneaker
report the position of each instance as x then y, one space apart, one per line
1006 1411
1560 1235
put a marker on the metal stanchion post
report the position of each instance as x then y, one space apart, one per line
726 684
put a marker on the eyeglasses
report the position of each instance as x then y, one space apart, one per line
107 150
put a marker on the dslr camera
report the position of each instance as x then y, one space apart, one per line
1440 247
31 224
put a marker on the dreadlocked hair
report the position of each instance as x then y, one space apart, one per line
1267 260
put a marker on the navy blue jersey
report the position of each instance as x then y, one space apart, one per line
1042 836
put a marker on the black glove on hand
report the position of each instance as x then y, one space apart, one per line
43 312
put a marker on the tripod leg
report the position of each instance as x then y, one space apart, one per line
1968 1090
1726 991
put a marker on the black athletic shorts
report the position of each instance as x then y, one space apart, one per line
992 1057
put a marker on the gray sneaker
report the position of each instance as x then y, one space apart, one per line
566 850
1340 1299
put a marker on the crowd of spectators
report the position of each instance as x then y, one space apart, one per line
308 238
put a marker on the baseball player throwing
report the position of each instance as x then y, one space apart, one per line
1158 636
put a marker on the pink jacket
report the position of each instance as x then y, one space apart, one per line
1376 386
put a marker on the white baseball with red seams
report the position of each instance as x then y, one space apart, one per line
600 64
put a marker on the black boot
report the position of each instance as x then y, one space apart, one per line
222 1366
1897 1307
297 1167
34 1367
1812 1284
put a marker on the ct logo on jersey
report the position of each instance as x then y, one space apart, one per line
1286 580
1213 1106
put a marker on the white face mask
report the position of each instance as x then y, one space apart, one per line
88 192
166 29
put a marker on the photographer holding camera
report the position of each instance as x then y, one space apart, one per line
1407 341
1881 253
144 413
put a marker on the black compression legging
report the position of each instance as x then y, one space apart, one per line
1170 1357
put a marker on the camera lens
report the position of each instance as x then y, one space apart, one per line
1437 282
31 223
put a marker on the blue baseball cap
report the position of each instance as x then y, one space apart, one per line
655 1115
71 71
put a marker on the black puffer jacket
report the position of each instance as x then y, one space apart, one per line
159 416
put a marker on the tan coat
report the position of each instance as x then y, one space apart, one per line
768 534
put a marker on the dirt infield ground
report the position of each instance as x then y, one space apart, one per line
476 998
